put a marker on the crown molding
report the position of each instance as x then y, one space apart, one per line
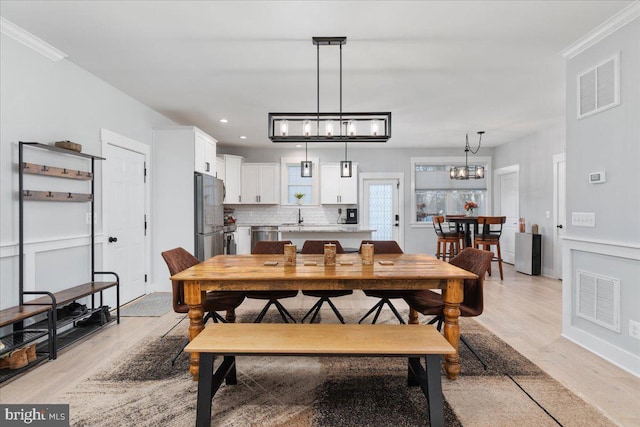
10 29
603 30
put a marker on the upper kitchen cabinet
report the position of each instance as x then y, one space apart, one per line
335 190
232 179
260 183
187 145
205 153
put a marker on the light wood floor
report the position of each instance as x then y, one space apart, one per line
522 310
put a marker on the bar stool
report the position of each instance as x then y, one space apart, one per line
489 232
445 238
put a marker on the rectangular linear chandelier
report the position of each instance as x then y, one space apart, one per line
329 127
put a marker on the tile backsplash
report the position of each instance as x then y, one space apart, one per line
276 214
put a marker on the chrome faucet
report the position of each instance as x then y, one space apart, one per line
300 219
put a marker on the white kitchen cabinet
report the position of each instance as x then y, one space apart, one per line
220 171
188 146
335 190
232 179
260 183
242 236
204 153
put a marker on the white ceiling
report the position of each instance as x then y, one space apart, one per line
443 68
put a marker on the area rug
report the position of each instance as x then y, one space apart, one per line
152 305
145 390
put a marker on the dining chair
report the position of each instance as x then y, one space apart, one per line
272 297
450 238
431 303
317 247
383 247
489 232
179 259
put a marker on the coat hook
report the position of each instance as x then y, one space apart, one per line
50 194
69 196
64 171
25 165
45 168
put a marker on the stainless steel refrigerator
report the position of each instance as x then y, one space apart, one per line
209 216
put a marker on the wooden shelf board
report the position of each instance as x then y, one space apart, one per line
56 196
61 150
74 293
36 169
15 314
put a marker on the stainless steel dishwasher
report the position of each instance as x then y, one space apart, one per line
263 232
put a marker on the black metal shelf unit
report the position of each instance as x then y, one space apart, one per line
53 301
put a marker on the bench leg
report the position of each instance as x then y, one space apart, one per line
434 390
205 380
412 379
231 378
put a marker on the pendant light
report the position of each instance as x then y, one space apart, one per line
330 126
468 172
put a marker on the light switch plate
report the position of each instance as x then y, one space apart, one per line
583 219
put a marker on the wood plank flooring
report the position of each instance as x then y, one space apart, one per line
522 310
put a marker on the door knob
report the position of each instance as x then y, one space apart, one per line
113 239
559 225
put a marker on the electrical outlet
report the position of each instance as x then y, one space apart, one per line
583 219
634 329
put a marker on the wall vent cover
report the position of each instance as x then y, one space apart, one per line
599 87
598 299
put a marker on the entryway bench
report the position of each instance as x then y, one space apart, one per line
253 339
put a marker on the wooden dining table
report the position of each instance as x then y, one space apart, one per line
466 222
269 272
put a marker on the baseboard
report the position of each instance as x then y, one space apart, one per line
615 355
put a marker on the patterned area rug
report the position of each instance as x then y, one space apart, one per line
152 305
145 390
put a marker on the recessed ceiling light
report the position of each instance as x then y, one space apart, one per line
298 145
224 121
243 137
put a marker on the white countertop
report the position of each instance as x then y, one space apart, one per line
324 228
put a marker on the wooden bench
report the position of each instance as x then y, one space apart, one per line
251 339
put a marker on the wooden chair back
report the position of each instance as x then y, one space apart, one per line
491 226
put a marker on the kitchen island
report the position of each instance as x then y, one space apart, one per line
349 235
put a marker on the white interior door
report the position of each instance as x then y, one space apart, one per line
508 196
559 210
381 207
125 219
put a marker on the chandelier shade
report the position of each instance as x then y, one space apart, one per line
466 171
330 127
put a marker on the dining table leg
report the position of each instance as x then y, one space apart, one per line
193 297
452 295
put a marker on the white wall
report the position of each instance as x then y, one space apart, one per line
534 155
48 101
608 141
